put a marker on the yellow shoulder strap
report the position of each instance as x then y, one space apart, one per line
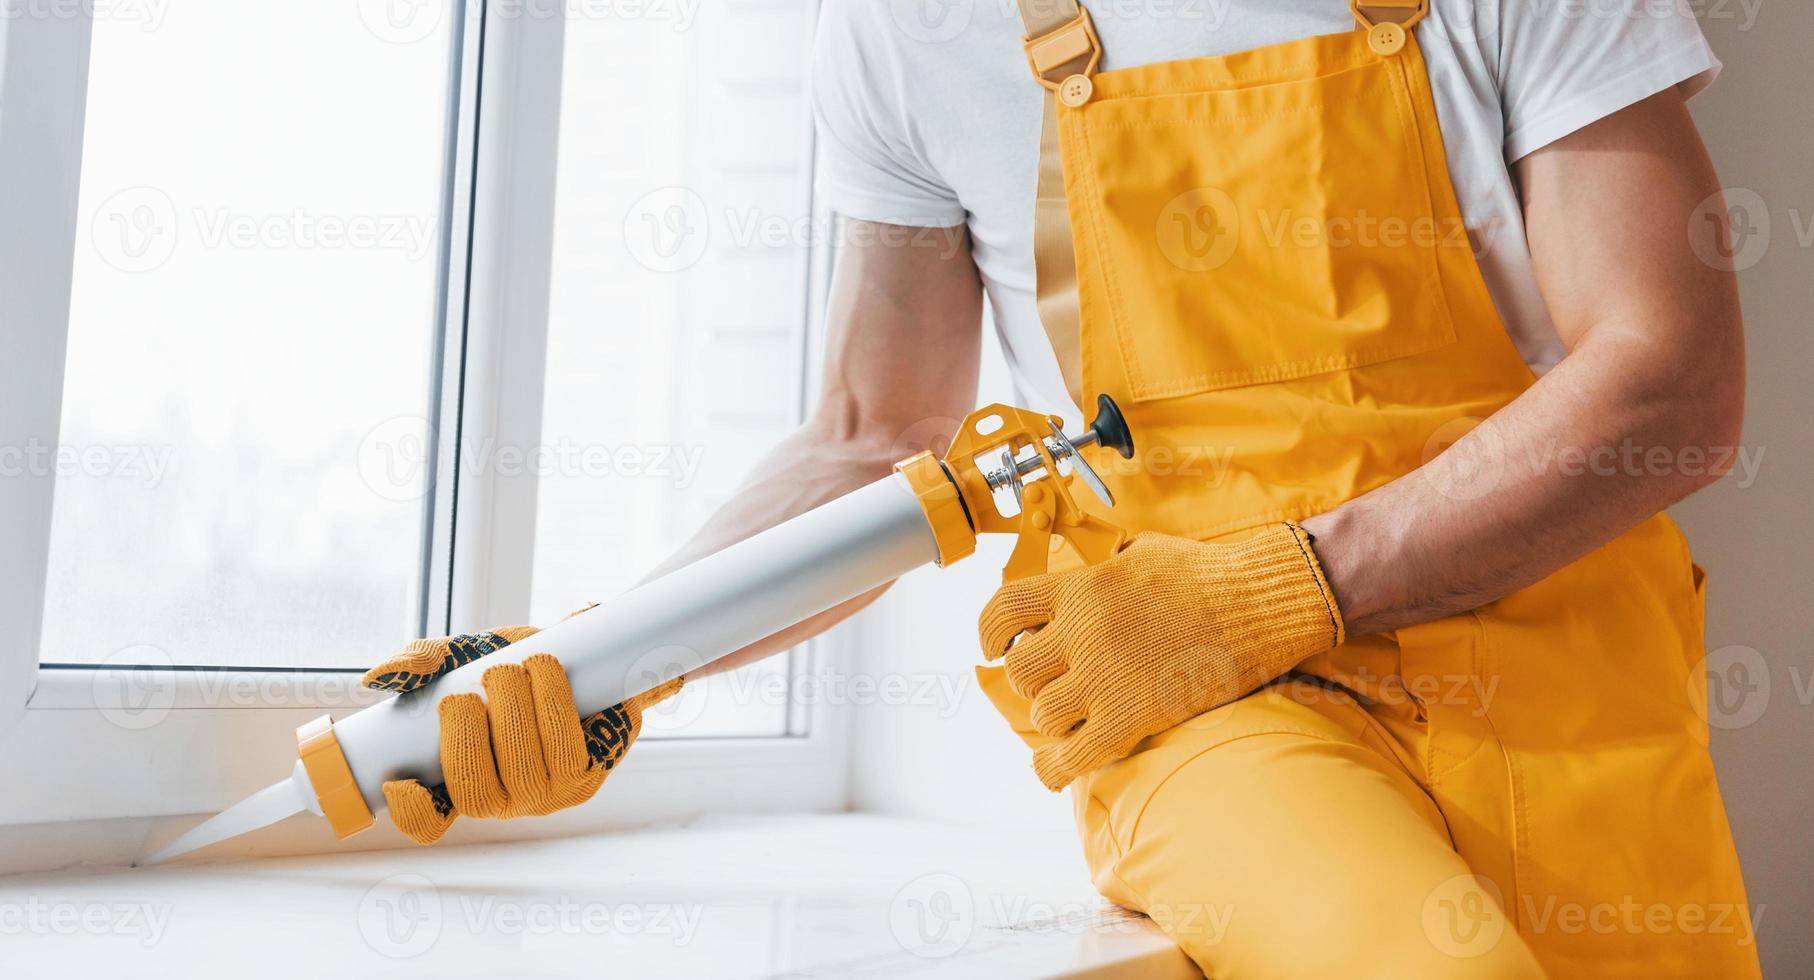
1060 42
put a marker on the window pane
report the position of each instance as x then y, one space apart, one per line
677 313
254 291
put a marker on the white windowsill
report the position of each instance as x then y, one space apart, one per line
840 895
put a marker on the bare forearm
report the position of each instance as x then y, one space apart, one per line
807 469
1596 447
903 349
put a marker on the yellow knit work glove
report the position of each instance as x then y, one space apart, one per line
1162 632
520 750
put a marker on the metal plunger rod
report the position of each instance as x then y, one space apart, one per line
1108 429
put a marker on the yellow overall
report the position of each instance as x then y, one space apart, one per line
1274 281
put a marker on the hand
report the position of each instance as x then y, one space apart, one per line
521 750
1164 631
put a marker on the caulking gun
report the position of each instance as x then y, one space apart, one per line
1007 471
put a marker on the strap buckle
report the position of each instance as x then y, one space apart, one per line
1405 13
1072 48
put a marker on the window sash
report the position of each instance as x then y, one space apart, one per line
63 743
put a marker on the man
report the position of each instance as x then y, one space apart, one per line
1407 681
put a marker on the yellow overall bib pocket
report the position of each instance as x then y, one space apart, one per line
1259 217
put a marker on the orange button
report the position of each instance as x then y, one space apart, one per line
1387 39
1076 90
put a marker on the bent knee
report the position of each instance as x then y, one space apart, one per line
1291 855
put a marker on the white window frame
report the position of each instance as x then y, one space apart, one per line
64 752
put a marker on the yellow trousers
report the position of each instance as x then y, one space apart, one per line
1281 837
1413 805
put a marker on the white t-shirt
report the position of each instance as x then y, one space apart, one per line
929 116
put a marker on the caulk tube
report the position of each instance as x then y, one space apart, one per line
664 628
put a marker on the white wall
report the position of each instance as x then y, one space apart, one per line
964 765
1756 541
